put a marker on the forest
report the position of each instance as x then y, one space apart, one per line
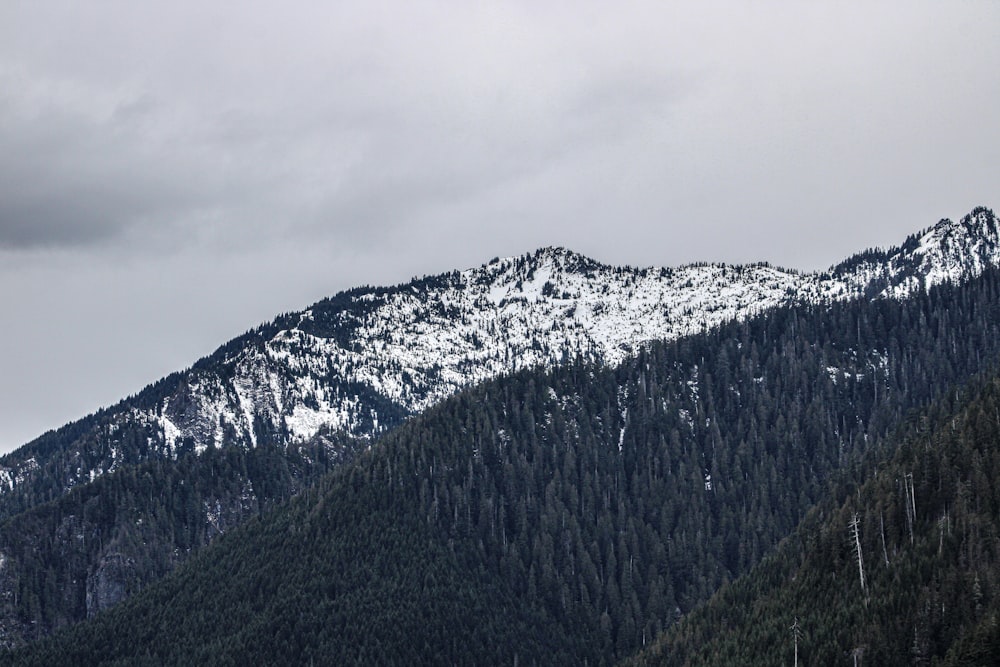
573 515
901 569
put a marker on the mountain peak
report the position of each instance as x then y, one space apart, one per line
981 222
947 251
951 251
555 251
364 359
563 258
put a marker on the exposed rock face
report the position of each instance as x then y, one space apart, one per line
107 586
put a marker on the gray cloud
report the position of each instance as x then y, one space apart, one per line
187 170
364 136
74 173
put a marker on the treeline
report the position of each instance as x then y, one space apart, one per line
560 517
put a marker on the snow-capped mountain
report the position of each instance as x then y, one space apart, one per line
363 360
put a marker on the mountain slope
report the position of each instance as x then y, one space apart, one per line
365 359
362 362
594 504
66 560
928 530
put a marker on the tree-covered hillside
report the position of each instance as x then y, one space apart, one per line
562 516
365 360
63 561
918 583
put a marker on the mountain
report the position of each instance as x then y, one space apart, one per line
555 516
268 413
364 360
918 583
948 251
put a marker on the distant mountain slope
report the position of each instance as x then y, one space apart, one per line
308 390
364 360
928 535
948 251
558 516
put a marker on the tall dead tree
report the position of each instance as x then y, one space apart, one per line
910 502
796 634
881 526
856 534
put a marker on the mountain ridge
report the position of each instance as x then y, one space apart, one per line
269 412
365 359
596 503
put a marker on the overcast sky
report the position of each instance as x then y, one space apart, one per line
174 173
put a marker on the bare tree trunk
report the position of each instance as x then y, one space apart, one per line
881 525
796 632
856 533
910 504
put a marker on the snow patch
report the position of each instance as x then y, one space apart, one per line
414 347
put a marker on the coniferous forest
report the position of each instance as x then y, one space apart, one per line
575 514
643 334
902 568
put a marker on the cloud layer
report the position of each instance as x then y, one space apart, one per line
236 162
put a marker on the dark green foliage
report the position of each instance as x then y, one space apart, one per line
567 515
932 597
66 560
346 573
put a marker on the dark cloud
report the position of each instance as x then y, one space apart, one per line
73 174
185 171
